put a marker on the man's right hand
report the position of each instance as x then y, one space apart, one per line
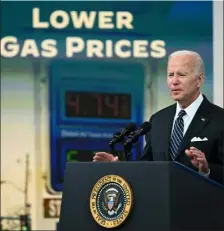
104 157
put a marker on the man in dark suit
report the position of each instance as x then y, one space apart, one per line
190 131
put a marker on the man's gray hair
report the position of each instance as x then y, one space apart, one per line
199 64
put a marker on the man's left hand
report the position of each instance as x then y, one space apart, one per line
198 159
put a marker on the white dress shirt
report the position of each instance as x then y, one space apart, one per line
190 113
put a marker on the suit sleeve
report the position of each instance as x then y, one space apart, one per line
147 152
217 165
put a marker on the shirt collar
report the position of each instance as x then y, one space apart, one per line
192 108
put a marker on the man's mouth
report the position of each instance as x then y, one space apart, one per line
176 91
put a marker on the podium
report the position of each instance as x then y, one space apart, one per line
165 196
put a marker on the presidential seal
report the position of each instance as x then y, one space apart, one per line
111 201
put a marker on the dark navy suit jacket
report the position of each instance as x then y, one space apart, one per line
208 122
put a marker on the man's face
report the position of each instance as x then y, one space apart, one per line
182 79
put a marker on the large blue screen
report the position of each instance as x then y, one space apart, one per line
89 101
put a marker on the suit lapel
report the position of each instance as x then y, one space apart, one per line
166 130
200 119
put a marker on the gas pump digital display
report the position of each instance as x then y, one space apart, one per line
88 102
97 105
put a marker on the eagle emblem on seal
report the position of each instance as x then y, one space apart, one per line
111 202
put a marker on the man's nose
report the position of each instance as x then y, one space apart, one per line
175 80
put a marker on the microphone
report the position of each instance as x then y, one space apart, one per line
119 136
134 136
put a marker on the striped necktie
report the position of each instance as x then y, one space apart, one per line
177 134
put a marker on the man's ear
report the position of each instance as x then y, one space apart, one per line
200 79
